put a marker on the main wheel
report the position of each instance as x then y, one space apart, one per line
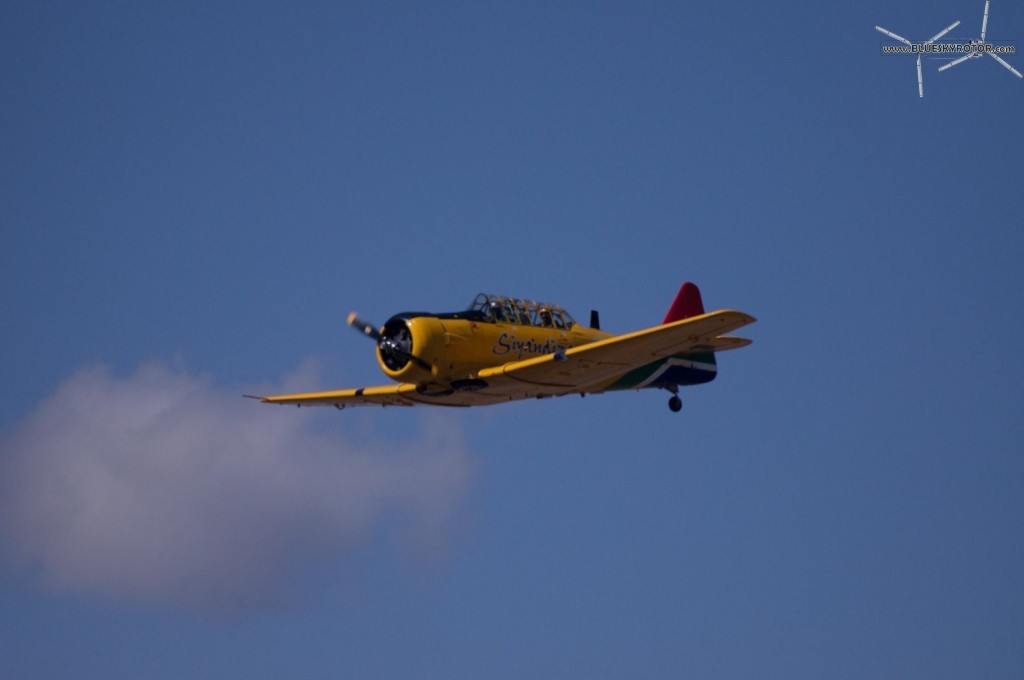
675 403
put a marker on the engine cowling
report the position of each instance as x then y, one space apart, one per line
409 348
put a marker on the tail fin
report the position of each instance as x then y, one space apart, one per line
686 304
691 368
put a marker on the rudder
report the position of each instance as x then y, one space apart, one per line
687 303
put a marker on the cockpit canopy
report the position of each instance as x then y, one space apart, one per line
500 309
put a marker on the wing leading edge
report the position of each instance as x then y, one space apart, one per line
384 395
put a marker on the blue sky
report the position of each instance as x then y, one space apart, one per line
194 197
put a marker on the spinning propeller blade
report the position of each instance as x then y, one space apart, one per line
363 326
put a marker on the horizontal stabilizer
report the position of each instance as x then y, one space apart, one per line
721 344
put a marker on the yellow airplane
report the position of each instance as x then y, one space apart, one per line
504 349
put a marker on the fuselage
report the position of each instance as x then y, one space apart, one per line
452 348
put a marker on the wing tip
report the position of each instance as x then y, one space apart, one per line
747 318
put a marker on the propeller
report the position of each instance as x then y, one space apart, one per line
394 343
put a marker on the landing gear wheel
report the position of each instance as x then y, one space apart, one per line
675 404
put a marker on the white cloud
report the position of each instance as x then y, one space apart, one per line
159 488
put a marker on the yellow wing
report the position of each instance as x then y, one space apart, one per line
590 368
587 368
385 395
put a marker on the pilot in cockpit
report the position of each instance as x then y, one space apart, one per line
494 311
545 317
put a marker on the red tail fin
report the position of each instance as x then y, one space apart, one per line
686 304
